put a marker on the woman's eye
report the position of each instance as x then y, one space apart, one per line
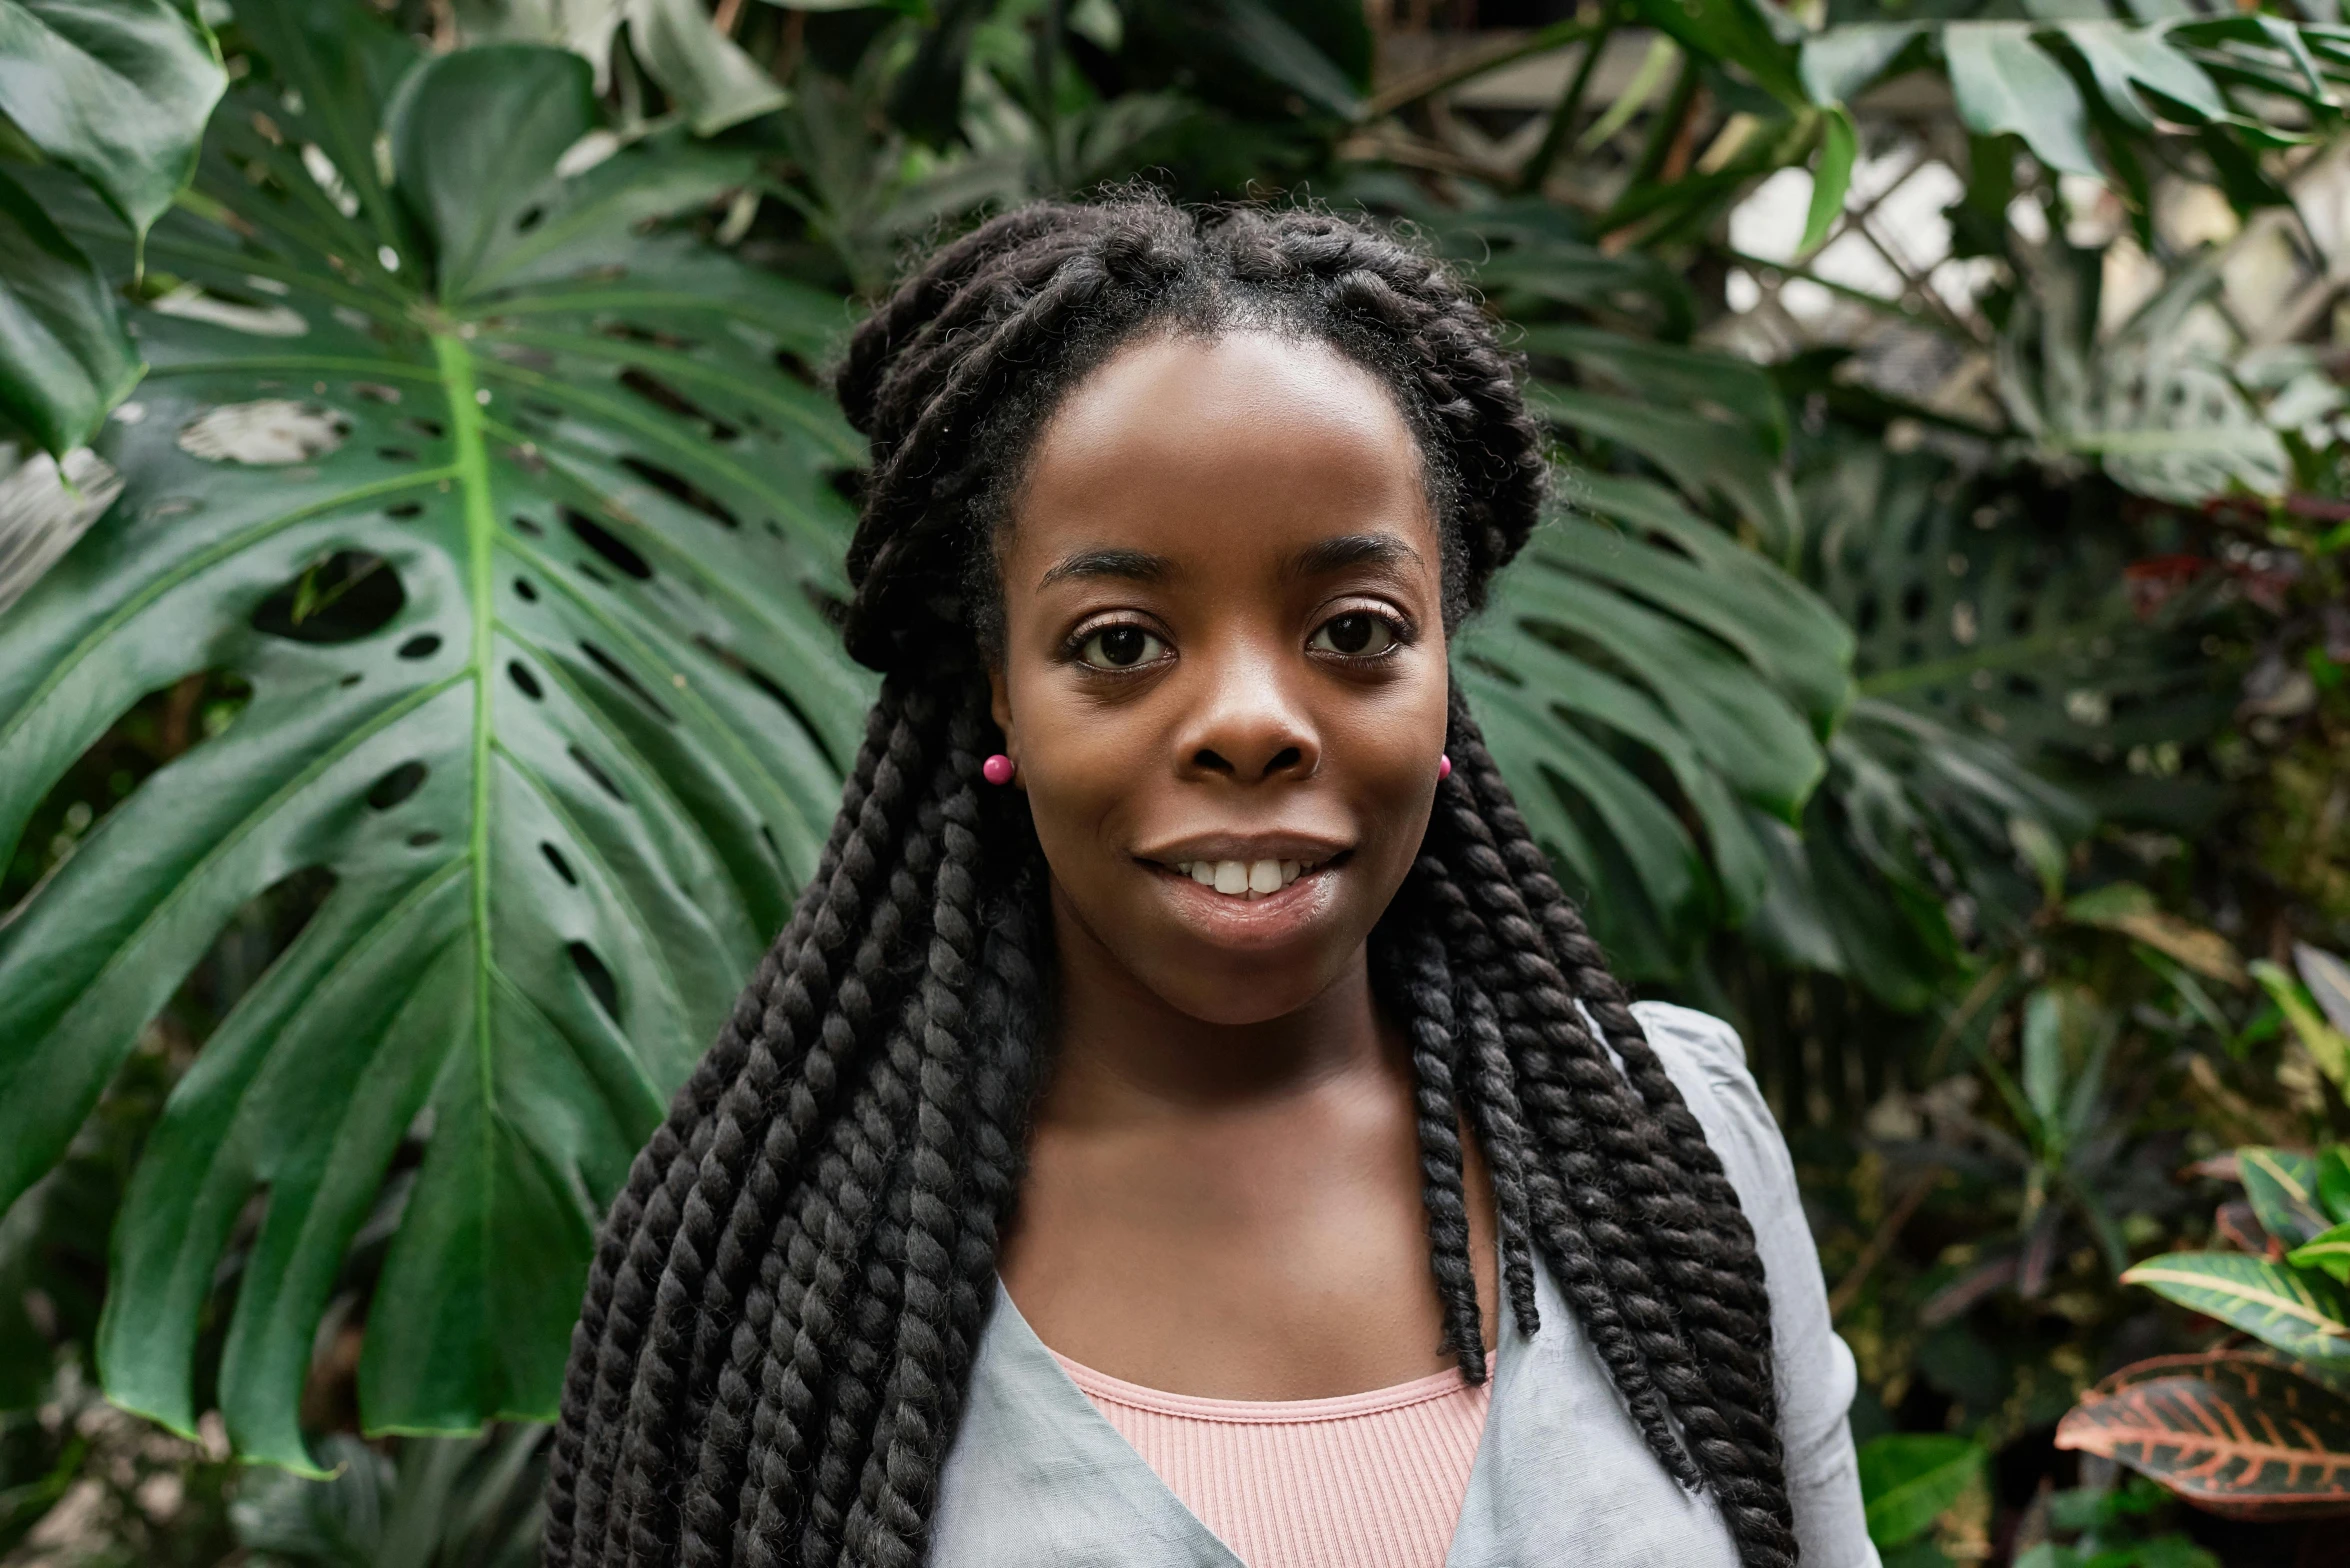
1120 648
1357 634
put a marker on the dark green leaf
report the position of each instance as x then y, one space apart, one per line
1706 457
118 93
64 360
563 789
702 70
1674 376
1909 1480
2123 59
1738 31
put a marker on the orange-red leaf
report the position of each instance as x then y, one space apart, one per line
2233 1433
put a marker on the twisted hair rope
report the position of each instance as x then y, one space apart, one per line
1692 1229
1491 1098
774 1357
1422 991
1572 1214
779 1068
693 1102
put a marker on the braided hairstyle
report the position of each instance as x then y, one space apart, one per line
786 1299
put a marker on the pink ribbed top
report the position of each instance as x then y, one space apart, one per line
1360 1481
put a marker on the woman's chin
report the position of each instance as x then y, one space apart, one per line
1241 961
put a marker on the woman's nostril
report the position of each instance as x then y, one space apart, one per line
1287 757
1204 758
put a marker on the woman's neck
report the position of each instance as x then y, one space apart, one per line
1125 1054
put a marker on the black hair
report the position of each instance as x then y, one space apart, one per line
786 1298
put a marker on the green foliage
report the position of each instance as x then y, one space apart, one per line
1908 1480
507 609
119 94
444 1503
1876 737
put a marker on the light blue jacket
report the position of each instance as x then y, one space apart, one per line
1038 1479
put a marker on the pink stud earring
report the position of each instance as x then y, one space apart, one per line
1443 768
997 769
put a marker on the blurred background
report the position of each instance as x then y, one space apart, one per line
420 513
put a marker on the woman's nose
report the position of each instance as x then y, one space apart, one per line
1249 725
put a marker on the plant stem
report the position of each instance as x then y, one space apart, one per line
1558 35
1563 117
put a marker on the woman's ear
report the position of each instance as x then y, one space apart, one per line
999 705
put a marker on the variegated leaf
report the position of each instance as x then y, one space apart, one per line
2234 1434
2298 1311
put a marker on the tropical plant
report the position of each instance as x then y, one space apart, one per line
481 515
503 507
2248 1433
504 512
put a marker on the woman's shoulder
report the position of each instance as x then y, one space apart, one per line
1688 1039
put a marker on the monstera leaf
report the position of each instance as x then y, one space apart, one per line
516 523
1999 659
1640 671
2234 1433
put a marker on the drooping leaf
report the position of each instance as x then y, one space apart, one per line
64 359
2282 1187
702 70
2302 1313
118 93
1839 146
563 757
2004 83
1910 1479
2234 1433
2130 909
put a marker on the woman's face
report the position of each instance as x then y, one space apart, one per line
1223 676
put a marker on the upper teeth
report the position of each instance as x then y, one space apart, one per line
1245 878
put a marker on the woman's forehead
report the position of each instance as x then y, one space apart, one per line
1246 441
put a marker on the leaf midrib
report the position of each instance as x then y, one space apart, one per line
472 465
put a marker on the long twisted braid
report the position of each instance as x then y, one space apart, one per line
787 1296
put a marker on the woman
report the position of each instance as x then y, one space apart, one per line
1183 1055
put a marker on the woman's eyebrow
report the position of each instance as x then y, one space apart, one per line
1351 550
1134 566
